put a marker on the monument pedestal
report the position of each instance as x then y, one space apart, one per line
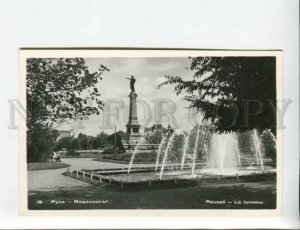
133 126
134 139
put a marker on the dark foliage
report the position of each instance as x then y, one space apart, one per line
119 138
228 90
57 90
112 151
140 157
40 143
73 152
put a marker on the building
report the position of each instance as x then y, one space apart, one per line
65 131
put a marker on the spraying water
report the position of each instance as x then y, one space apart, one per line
237 150
159 150
134 152
257 149
273 138
186 144
166 154
224 152
268 133
195 150
206 155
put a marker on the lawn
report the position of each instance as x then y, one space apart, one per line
46 165
124 158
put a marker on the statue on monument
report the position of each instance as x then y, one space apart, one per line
132 82
133 125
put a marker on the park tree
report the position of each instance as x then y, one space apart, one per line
100 140
156 133
176 148
94 143
123 135
118 137
86 142
63 143
40 140
154 137
58 90
74 145
234 93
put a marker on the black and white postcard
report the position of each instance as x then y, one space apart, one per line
151 132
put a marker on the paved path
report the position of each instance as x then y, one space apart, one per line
89 163
52 179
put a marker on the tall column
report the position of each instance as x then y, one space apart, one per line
133 126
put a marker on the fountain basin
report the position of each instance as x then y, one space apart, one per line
146 177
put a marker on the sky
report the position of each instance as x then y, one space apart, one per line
149 73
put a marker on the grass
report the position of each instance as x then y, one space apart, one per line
110 160
140 158
125 161
46 165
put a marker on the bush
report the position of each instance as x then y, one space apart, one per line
145 157
40 141
112 151
72 152
140 157
120 157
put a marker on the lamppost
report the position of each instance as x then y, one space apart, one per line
115 139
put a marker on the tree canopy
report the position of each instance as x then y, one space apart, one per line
230 90
60 89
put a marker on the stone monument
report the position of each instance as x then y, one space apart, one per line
133 126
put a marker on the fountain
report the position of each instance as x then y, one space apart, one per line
257 149
238 154
133 154
223 158
273 138
224 152
170 142
206 154
195 150
158 153
268 133
186 144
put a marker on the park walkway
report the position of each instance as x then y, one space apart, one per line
52 179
